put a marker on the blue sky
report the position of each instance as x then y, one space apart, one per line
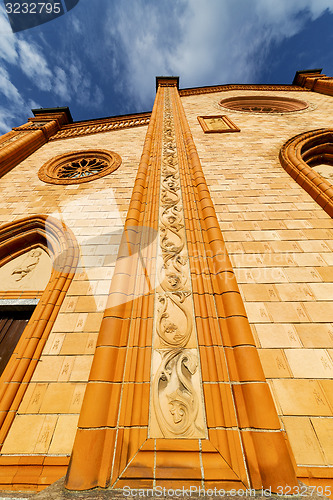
101 58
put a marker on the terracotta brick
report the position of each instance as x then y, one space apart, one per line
141 467
64 435
262 212
303 440
280 335
310 363
57 398
172 464
216 468
30 433
275 363
135 405
255 407
97 411
320 311
326 273
315 334
219 405
327 387
287 312
290 395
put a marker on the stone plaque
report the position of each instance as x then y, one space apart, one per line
217 123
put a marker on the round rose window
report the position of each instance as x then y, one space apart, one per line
78 167
263 104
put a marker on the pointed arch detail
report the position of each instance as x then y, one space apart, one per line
15 239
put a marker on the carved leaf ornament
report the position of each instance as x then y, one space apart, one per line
175 399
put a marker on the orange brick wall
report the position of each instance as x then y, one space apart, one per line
95 211
280 243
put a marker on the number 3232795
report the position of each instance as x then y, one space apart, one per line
33 8
304 490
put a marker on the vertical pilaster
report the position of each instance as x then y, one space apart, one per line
176 394
113 423
176 402
315 81
22 141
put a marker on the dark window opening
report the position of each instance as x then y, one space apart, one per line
13 321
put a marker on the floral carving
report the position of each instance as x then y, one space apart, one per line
176 399
175 372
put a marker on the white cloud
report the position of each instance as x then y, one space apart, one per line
26 55
7 39
61 84
5 117
97 97
34 64
33 104
16 109
76 24
204 42
283 13
142 36
8 89
124 45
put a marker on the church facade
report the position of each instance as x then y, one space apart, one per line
166 293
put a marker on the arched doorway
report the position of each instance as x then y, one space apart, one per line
34 234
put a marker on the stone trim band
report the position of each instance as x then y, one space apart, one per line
224 88
104 125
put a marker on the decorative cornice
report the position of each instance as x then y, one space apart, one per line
167 81
142 119
314 81
224 88
32 124
136 120
103 125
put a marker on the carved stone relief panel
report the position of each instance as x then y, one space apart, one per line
177 406
29 271
217 123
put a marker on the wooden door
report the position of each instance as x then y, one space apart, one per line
12 325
